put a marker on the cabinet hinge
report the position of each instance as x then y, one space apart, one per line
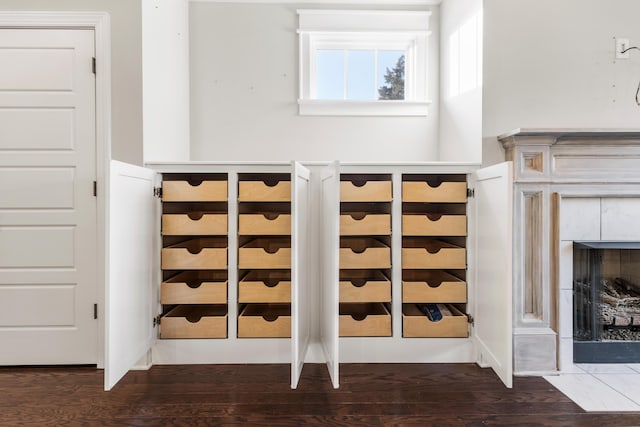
471 192
95 188
470 319
93 65
157 192
156 321
95 311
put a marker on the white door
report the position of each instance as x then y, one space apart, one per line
47 206
132 269
300 298
492 229
330 269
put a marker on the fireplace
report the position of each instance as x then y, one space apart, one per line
606 302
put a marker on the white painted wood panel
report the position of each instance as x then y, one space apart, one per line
37 247
620 218
580 218
34 68
37 305
37 187
49 129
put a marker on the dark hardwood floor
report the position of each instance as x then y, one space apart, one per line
259 395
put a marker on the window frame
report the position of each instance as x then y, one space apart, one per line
361 29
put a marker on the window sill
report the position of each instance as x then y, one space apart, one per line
316 107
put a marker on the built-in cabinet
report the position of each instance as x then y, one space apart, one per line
282 263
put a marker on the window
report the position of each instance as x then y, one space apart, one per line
363 62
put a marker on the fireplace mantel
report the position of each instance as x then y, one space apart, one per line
549 166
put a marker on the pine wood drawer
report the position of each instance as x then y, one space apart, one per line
364 224
195 321
364 286
365 191
265 321
271 224
261 191
366 253
433 254
195 287
434 225
415 324
444 192
364 320
196 254
265 253
194 224
432 286
264 286
183 191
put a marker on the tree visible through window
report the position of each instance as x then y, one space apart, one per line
394 82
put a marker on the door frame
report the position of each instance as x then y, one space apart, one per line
99 22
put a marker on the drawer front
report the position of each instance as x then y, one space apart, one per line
183 225
425 225
258 191
417 325
371 224
261 225
206 191
205 293
258 258
182 259
445 258
259 327
371 191
189 322
257 291
446 192
370 258
371 291
445 292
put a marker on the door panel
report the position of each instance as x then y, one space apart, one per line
48 265
300 310
493 230
131 267
330 269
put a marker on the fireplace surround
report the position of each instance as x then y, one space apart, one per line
570 185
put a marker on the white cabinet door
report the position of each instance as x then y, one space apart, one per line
300 292
130 269
330 269
492 228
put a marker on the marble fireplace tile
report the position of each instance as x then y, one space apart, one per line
591 394
566 313
580 218
634 366
629 385
566 264
605 368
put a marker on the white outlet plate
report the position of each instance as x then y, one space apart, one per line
622 44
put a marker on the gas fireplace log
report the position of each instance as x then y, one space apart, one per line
631 288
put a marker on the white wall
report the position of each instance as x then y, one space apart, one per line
460 116
550 64
244 91
126 74
165 79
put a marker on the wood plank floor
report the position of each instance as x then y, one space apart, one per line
259 395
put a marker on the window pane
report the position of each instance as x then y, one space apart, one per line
361 78
330 74
391 74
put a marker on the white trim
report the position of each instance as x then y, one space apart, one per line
100 23
321 107
338 2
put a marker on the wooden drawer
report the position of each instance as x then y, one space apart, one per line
271 224
195 321
359 252
183 191
265 286
432 286
196 254
265 321
365 191
261 191
364 286
363 224
433 254
445 192
195 287
416 324
434 225
364 320
194 224
264 253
